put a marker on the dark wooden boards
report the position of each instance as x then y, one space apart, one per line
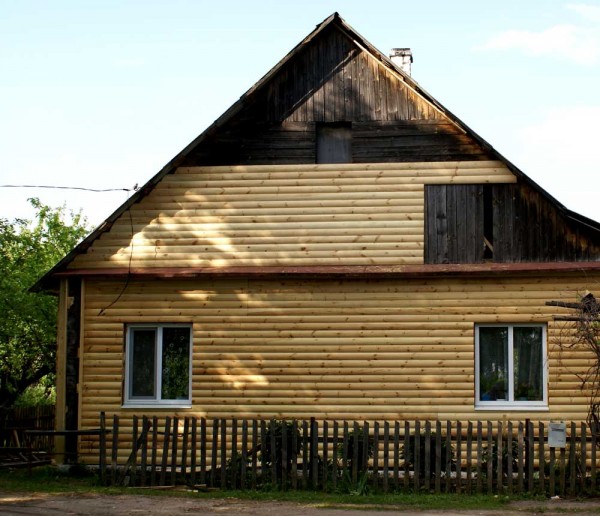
526 227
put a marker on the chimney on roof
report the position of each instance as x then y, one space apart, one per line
402 58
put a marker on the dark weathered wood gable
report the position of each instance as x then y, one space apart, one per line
334 79
502 223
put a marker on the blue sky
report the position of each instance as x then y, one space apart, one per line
103 94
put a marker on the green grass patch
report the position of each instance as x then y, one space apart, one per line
51 480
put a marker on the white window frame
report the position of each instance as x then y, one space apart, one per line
154 401
511 403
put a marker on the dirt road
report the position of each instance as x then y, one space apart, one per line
19 504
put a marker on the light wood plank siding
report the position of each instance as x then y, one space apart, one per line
345 349
282 215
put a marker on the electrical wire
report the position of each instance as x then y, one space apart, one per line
74 188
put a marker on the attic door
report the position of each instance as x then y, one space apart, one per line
334 143
455 225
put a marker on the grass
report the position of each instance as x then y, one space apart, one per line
50 480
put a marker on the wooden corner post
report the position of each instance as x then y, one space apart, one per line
61 369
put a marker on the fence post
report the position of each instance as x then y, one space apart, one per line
102 450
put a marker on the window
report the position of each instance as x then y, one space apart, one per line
510 369
157 364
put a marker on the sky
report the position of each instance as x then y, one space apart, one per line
102 94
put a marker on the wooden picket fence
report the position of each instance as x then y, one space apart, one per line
15 421
460 457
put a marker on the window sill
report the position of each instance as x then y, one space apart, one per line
157 405
513 408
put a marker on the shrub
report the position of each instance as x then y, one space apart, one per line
411 456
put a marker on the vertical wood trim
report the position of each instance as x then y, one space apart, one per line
81 353
61 368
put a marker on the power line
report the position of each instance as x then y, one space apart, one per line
74 188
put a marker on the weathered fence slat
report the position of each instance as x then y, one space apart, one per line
469 457
234 458
509 456
165 453
184 449
427 457
541 457
572 460
193 450
375 454
479 456
214 453
458 457
244 454
386 455
114 450
448 461
438 456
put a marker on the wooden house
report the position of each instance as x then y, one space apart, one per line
338 245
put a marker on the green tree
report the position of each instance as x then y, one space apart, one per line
28 320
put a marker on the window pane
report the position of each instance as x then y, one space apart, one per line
528 367
176 364
141 382
493 363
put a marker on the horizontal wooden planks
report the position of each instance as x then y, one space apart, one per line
379 349
282 215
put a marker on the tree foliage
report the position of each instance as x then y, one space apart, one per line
28 320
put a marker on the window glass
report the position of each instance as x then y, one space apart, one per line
143 360
493 363
528 367
175 363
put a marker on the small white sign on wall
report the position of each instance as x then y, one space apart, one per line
557 435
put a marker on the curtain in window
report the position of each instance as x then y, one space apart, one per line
493 363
